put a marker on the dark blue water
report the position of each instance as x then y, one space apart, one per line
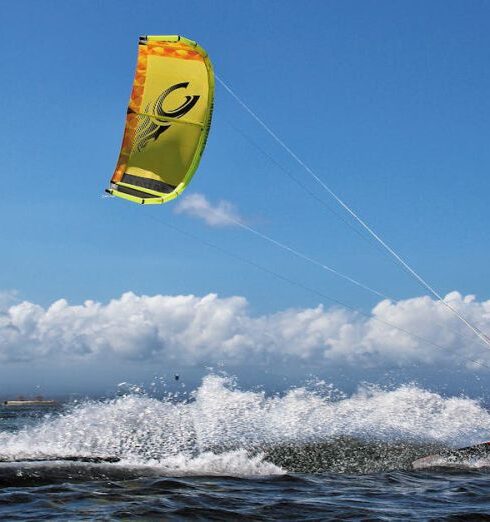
100 495
226 454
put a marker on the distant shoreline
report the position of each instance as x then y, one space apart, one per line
28 402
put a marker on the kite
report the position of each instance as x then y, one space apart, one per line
167 122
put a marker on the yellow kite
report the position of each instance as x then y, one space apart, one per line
167 122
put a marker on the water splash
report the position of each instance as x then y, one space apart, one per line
221 429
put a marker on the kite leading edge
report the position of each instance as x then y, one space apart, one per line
167 122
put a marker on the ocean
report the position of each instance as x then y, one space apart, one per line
222 453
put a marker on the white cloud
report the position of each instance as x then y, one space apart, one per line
210 329
221 215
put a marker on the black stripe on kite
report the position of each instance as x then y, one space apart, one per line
147 183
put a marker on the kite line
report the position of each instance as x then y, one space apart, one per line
293 282
352 213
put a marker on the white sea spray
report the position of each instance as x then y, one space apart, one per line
225 430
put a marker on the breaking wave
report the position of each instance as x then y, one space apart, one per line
222 430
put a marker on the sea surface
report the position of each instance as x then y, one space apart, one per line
221 453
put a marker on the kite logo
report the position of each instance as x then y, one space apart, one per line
154 124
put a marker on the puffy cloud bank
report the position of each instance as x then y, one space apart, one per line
223 214
187 329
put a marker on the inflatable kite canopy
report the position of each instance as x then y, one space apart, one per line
168 120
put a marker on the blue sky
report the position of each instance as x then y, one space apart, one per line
387 101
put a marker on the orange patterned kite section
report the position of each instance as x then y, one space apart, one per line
135 102
173 50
